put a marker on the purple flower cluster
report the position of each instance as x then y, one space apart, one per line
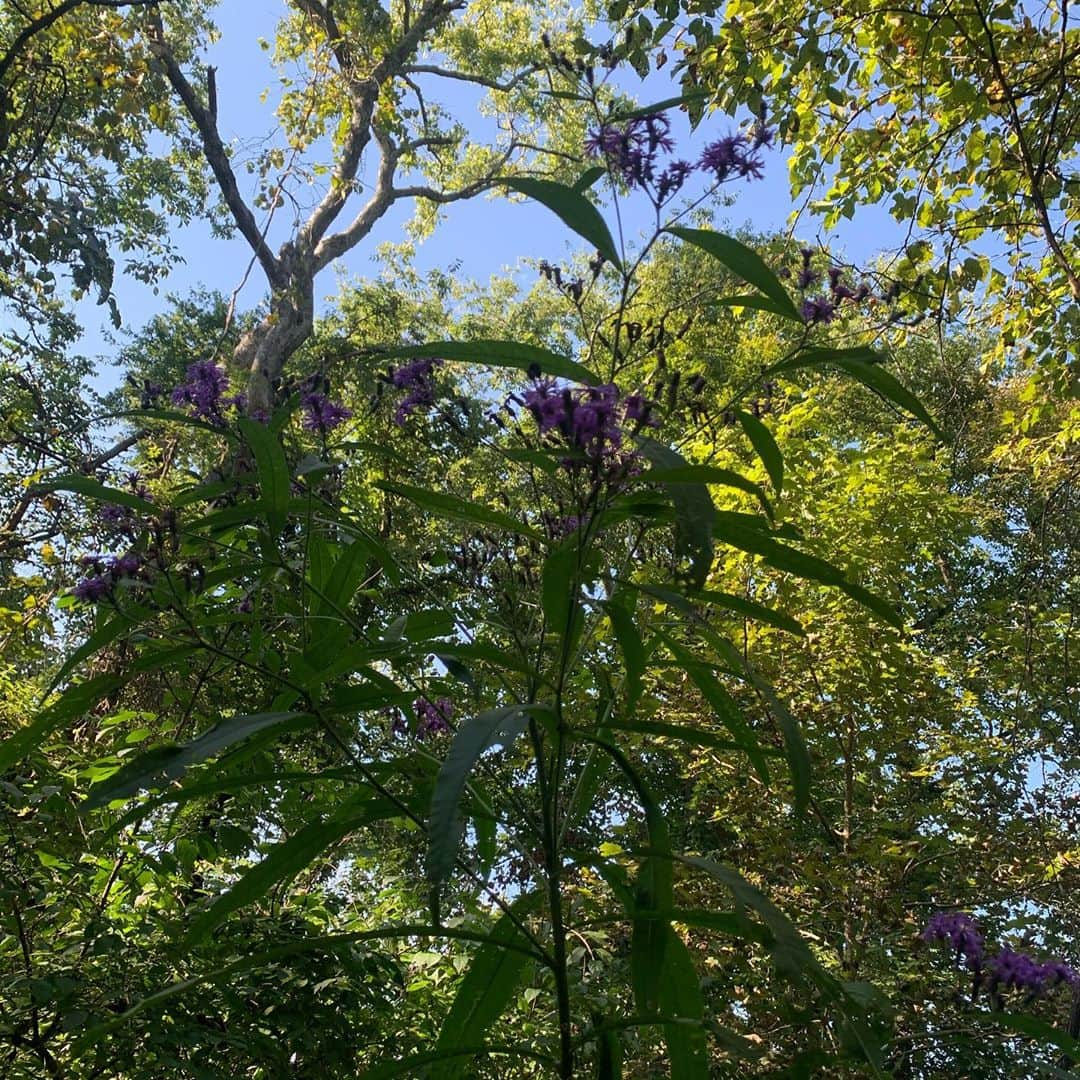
203 392
321 414
1005 970
590 420
104 572
822 308
631 151
416 377
1018 971
959 931
434 717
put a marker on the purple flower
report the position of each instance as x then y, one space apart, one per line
416 377
818 311
434 718
92 589
958 930
125 565
672 179
732 155
321 414
631 150
246 606
206 382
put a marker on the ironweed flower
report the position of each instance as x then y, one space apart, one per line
958 930
416 377
206 382
434 717
92 589
818 310
321 414
1018 971
732 155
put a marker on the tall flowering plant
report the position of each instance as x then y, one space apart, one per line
514 732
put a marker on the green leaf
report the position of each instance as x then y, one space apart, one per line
574 209
273 470
765 446
750 608
755 302
560 585
505 354
328 627
588 178
865 365
104 635
452 506
472 738
288 859
792 561
620 611
695 736
694 512
169 762
743 261
707 474
77 700
1038 1029
795 749
681 998
489 985
668 103
92 489
651 932
723 705
608 1055
414 1065
790 952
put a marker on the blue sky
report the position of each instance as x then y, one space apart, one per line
485 236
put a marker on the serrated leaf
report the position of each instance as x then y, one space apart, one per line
791 560
287 859
620 611
560 584
865 365
489 985
694 512
93 489
272 469
681 998
707 474
573 209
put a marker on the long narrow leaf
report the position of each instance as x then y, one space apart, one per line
573 209
743 261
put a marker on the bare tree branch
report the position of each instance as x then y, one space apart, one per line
470 77
217 157
331 247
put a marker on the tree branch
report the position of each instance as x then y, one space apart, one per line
364 96
331 247
216 156
466 76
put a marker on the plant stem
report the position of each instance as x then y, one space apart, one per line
554 879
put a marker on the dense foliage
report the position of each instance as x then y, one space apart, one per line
663 667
